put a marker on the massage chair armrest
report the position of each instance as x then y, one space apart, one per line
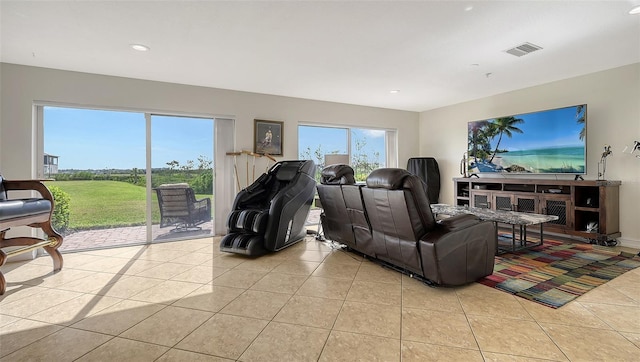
28 185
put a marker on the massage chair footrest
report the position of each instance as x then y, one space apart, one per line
246 244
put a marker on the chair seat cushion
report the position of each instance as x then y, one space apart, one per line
11 209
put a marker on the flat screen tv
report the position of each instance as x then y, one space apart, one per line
546 142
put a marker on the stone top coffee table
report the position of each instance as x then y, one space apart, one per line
513 218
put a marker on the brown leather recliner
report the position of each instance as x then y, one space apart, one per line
344 219
455 251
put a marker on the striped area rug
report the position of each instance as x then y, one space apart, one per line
556 273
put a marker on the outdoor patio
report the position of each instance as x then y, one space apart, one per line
115 237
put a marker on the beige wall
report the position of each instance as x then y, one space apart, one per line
613 99
22 85
613 118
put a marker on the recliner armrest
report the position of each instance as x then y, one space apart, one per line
459 222
458 228
459 250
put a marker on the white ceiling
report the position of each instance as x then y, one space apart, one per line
351 52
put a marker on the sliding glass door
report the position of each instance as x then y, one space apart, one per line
181 156
104 167
99 182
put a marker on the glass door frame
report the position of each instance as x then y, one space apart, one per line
218 169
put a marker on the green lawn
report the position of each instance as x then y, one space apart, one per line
105 204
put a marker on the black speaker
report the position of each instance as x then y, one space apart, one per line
427 169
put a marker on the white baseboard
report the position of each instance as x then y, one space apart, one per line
626 242
629 243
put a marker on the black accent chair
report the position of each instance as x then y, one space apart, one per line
405 235
270 214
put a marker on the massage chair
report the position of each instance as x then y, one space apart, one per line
270 214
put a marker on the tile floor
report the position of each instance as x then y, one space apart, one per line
187 301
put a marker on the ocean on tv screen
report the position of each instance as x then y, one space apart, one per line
547 160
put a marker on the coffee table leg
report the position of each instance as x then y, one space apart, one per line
497 238
533 243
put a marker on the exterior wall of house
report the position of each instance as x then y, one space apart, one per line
50 165
613 118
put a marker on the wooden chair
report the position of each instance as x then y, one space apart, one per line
32 212
179 207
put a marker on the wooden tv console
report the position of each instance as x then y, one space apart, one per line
576 203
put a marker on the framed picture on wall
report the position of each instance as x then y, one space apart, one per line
268 137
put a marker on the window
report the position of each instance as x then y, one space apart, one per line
367 149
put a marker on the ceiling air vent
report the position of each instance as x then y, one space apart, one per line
523 49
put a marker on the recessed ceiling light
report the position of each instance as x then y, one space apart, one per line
468 8
635 10
139 47
394 91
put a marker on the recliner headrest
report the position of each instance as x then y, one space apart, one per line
387 178
337 174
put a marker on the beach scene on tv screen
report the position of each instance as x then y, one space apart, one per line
551 141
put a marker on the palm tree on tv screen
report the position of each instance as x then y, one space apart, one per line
580 113
504 126
479 146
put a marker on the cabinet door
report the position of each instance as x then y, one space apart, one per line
557 205
503 201
507 201
525 203
481 199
